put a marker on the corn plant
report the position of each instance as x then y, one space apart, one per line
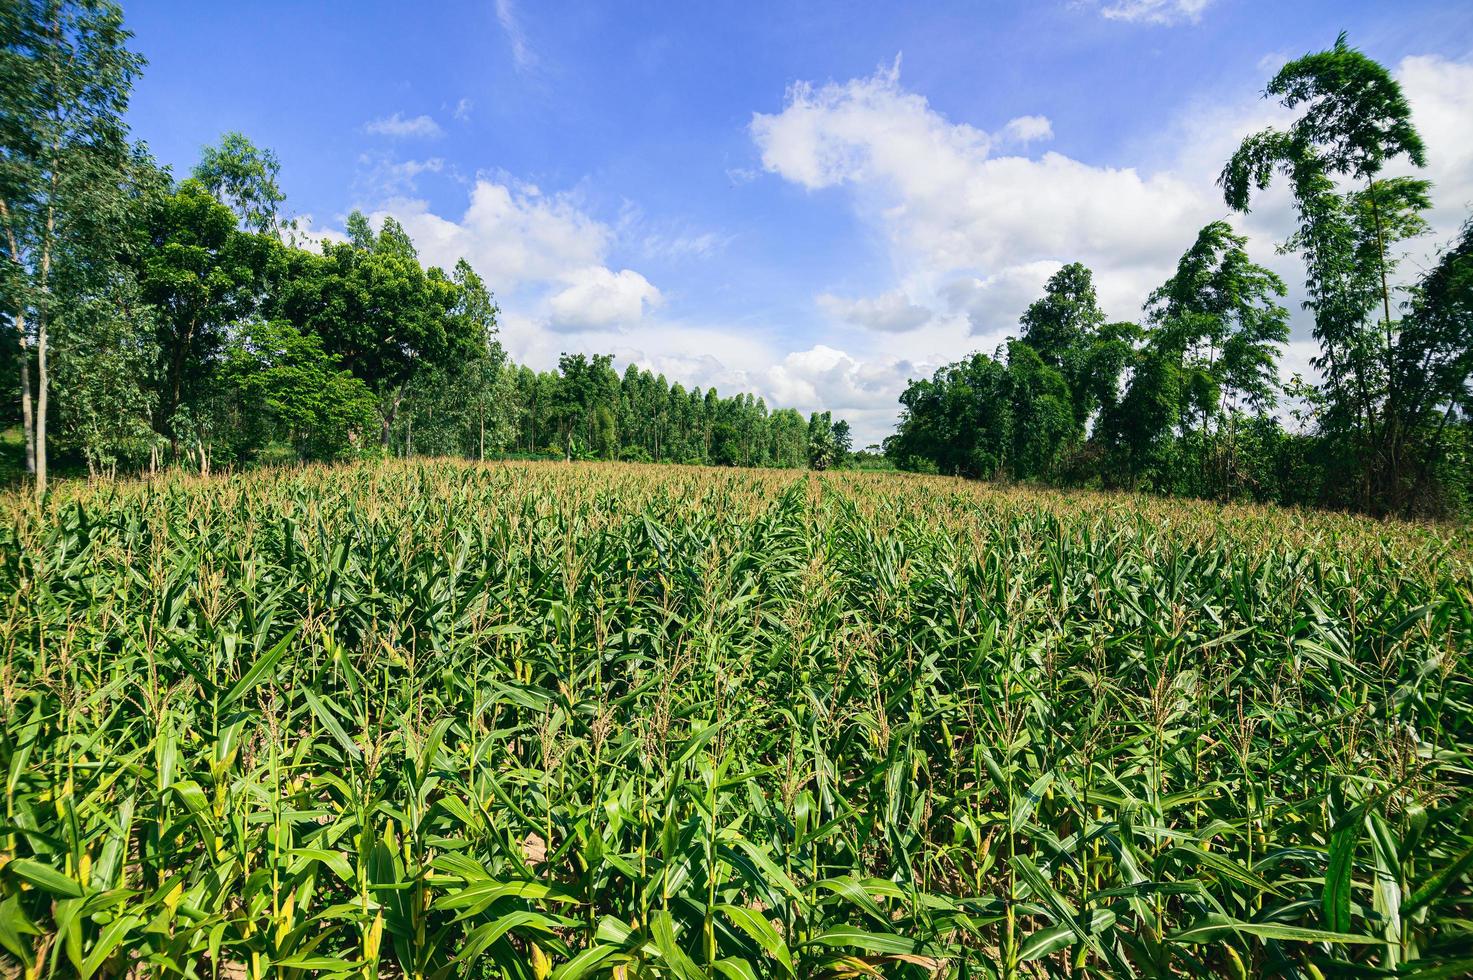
438 719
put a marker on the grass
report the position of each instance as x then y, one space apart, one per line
12 456
529 720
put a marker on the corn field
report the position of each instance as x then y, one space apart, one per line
439 719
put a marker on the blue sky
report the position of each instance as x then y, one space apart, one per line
813 201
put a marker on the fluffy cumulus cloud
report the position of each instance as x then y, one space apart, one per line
513 233
1441 95
934 187
891 312
404 127
823 376
863 392
544 255
990 303
951 207
598 298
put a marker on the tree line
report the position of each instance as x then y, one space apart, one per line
1186 400
151 321
587 409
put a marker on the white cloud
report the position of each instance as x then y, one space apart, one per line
993 304
1441 96
462 111
598 298
827 378
975 231
512 233
521 52
1155 11
1028 129
891 312
948 207
865 130
400 126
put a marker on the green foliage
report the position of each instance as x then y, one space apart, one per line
984 418
639 416
243 177
201 275
379 311
1354 113
105 364
65 77
1062 328
1219 315
1352 121
287 385
823 448
445 719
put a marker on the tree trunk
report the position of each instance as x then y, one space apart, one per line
42 375
1385 450
389 417
41 381
27 423
1381 253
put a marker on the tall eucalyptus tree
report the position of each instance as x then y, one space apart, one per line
65 77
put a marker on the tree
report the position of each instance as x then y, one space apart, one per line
726 446
104 376
380 312
1354 120
960 421
288 387
1043 419
1067 314
485 390
244 178
65 77
359 231
788 435
586 395
1137 430
821 448
843 442
481 383
201 275
1062 328
1220 318
1433 365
